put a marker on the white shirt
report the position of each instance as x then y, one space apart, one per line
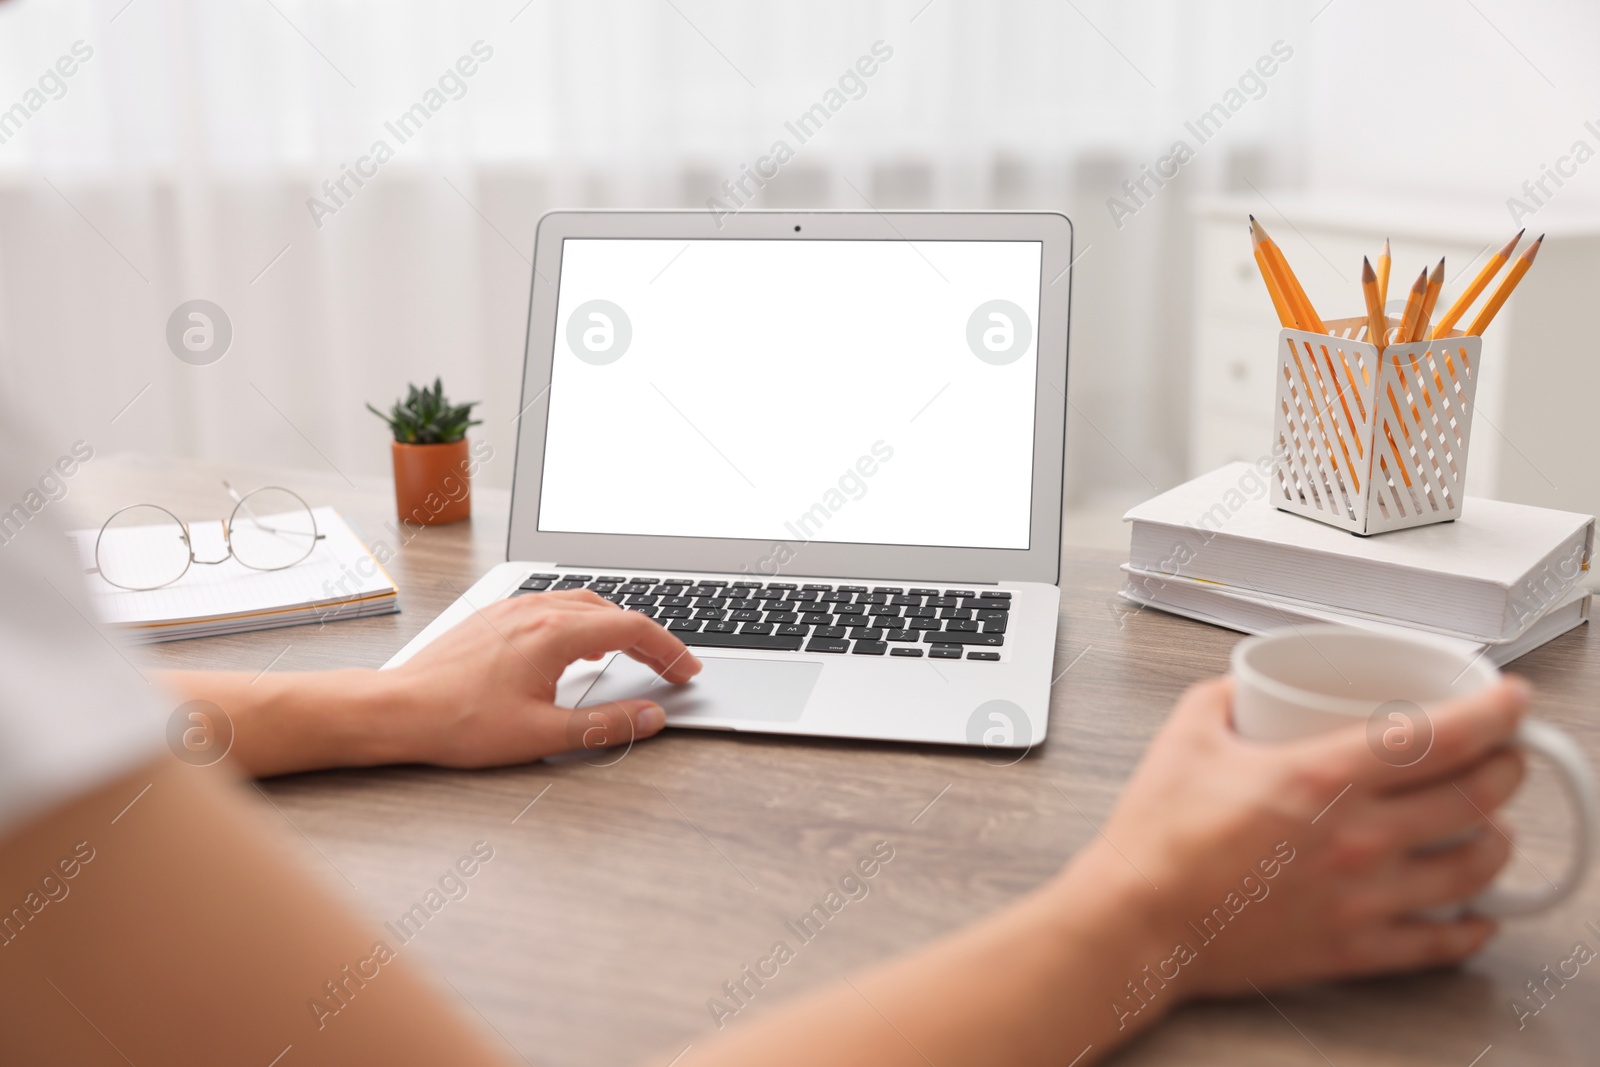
73 711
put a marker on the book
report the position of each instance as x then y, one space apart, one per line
1233 610
340 579
1487 576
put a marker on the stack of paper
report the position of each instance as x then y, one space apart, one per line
339 580
1502 579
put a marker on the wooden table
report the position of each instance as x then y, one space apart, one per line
624 892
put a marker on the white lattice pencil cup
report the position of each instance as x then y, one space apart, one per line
1372 444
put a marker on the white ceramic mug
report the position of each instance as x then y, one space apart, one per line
1299 682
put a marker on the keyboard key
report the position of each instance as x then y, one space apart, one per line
920 613
807 595
872 598
648 613
817 618
986 603
578 577
992 616
684 626
676 601
975 654
925 624
840 597
830 631
944 653
637 601
611 578
998 627
774 642
923 592
959 592
906 601
752 616
997 594
674 613
943 601
852 589
827 644
866 633
602 587
850 620
779 586
819 588
535 584
887 589
905 651
721 628
869 648
710 601
955 613
963 625
782 617
543 577
644 581
615 598
794 629
958 638
744 604
883 611
754 628
712 614
569 583
901 635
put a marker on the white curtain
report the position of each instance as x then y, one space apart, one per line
178 160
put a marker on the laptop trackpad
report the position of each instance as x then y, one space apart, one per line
769 690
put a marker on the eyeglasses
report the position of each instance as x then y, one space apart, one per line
145 546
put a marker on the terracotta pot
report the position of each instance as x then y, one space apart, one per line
432 485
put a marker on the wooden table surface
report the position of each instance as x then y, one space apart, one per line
621 901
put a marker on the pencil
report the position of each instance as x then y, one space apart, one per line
1377 325
1293 293
1492 306
1479 284
1384 260
1429 299
1413 312
1285 316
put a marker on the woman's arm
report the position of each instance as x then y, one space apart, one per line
1227 867
481 695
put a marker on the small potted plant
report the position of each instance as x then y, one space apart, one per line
432 471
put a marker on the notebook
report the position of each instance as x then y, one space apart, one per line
1486 576
1234 610
339 580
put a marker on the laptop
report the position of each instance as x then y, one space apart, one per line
823 448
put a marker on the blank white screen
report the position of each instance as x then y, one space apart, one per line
793 390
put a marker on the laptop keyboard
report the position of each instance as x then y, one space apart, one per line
857 620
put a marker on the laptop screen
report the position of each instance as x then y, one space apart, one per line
848 391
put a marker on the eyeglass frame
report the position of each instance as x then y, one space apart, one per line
188 540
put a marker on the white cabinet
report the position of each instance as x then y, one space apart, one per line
1535 436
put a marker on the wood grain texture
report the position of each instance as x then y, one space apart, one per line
637 884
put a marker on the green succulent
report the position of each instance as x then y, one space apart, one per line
426 417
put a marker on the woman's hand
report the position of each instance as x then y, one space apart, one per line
484 693
1266 864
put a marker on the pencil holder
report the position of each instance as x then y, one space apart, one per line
1368 443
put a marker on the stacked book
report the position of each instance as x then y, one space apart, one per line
340 579
1502 579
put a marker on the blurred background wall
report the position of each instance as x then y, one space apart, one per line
176 162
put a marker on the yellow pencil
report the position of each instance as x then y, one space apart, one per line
1492 306
1279 304
1293 293
1413 312
1384 260
1481 282
1429 299
1377 325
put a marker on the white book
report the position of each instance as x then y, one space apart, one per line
1233 610
340 579
1487 575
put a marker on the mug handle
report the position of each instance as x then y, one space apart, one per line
1578 779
